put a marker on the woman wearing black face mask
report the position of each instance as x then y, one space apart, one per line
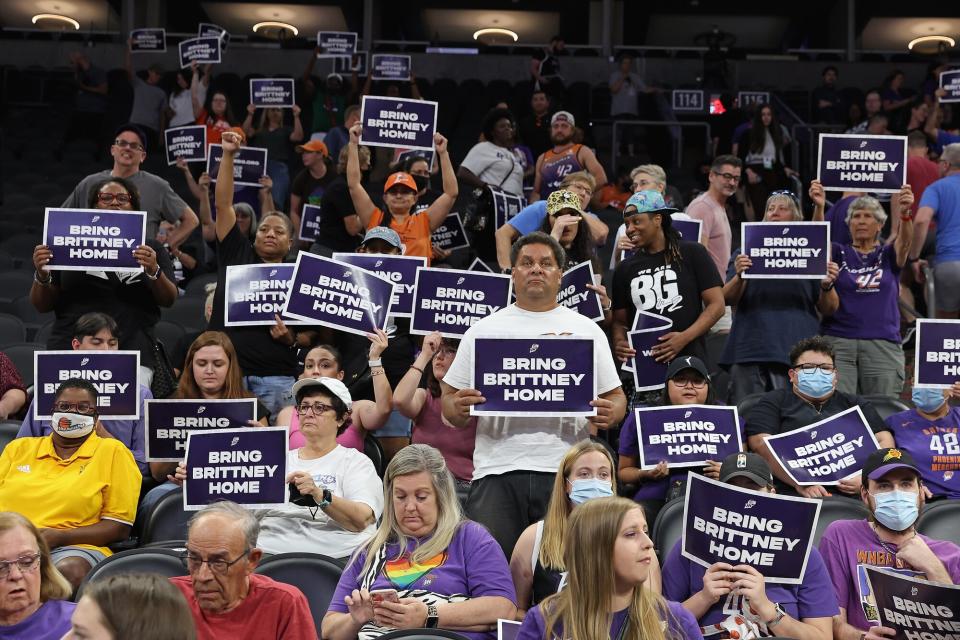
419 167
78 484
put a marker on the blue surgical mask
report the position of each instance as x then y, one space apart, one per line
896 510
927 400
814 383
583 489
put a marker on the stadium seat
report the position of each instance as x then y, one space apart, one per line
43 333
373 450
668 527
14 284
838 508
32 319
315 575
11 329
197 285
164 562
22 357
747 404
886 406
167 521
169 333
8 432
422 634
186 312
939 521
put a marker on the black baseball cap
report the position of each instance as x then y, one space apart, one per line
680 363
746 465
134 129
883 461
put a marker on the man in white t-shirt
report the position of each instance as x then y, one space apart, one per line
516 457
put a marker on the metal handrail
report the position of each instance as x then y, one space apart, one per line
677 143
812 129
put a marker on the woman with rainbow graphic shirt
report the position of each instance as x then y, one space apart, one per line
414 572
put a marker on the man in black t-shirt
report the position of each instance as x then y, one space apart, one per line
340 228
667 276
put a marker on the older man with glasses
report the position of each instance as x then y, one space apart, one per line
226 598
157 197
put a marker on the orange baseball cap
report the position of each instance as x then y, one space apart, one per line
402 178
239 132
315 146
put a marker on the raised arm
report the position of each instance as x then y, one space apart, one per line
226 215
438 211
188 222
206 215
373 415
361 199
409 397
819 200
247 126
297 134
901 210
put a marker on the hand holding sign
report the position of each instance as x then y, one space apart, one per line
41 257
146 257
816 193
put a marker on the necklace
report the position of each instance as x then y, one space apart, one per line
897 561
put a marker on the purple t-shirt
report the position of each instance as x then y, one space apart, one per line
681 622
50 622
868 287
837 217
849 545
472 566
814 598
935 447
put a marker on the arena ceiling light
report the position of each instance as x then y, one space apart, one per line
931 44
495 35
55 17
275 28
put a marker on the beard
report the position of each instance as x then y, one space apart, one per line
560 139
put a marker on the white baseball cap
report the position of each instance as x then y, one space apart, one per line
331 385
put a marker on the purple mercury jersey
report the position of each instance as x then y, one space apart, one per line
869 287
556 167
681 622
849 545
935 445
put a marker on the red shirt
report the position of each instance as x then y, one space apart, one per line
921 173
271 610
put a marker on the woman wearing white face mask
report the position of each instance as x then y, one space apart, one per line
930 431
78 485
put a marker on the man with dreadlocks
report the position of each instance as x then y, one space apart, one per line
667 276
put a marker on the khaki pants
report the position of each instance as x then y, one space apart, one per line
868 367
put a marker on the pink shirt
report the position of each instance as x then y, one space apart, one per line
351 438
714 227
454 443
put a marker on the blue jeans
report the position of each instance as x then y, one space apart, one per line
280 174
275 392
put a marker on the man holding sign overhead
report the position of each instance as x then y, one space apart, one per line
516 456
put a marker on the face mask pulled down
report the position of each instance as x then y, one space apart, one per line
72 425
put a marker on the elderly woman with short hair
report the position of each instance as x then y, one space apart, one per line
861 315
426 566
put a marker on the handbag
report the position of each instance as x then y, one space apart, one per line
164 378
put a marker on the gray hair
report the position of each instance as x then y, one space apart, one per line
248 210
538 237
951 153
866 203
789 200
655 171
246 520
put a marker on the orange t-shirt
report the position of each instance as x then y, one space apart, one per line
215 126
414 232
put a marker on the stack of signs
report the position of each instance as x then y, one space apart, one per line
169 421
336 44
249 165
451 301
246 466
575 294
338 295
937 357
388 66
687 435
114 374
189 143
545 376
853 162
648 328
827 451
93 239
148 41
771 533
398 122
786 250
950 82
255 293
914 608
400 270
450 235
272 92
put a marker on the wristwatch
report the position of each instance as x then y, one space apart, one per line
327 499
777 618
433 617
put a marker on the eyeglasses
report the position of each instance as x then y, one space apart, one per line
124 144
194 562
690 382
445 352
110 198
74 407
24 563
785 192
826 368
727 176
317 407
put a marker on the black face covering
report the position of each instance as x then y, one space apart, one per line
422 182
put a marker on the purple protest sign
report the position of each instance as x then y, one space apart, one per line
309 222
687 227
479 265
507 629
786 250
688 100
272 92
574 292
853 162
648 374
338 295
247 466
451 235
199 50
771 533
936 361
210 30
541 376
114 374
169 421
389 66
336 43
950 82
687 435
189 143
255 293
827 451
249 165
451 301
148 41
915 608
505 205
398 122
356 63
93 239
400 270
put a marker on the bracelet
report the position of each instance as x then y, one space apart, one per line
42 283
375 363
154 276
605 309
829 288
417 369
377 373
906 218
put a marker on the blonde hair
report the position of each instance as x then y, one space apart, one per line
582 609
785 198
53 586
579 176
415 458
364 158
655 171
558 511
